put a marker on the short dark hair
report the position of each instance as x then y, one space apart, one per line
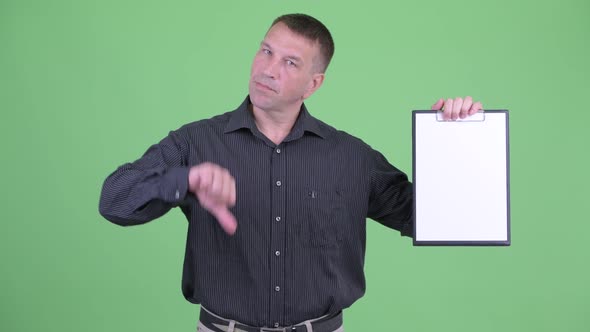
313 30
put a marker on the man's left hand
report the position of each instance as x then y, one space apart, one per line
454 109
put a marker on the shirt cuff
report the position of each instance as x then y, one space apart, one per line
175 185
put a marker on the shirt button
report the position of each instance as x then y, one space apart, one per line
277 288
277 325
278 253
278 150
278 218
279 183
177 194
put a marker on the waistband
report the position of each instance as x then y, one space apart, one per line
328 323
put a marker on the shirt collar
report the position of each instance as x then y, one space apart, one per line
243 118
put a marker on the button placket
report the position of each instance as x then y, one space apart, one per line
277 264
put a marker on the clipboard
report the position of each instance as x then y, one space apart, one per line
461 179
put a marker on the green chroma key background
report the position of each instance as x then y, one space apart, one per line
88 85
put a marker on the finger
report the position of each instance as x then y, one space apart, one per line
219 211
465 107
438 105
225 218
206 176
226 189
448 109
211 178
232 193
206 200
476 107
217 184
457 104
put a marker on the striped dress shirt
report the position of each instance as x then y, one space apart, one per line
298 252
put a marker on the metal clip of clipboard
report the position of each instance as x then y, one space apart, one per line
480 116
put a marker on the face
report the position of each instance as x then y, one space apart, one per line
284 70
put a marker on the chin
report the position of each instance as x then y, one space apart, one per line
260 101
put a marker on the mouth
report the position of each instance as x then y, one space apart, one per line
263 86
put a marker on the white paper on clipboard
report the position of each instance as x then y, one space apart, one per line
461 179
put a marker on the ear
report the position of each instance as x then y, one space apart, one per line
316 81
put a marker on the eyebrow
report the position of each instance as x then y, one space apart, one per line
290 57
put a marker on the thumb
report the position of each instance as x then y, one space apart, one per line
225 218
438 105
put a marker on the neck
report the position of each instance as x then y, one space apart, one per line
275 124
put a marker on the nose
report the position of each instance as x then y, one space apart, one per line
272 69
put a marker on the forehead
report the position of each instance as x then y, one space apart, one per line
285 41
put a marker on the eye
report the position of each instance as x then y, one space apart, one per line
266 51
291 63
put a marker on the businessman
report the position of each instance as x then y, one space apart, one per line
276 200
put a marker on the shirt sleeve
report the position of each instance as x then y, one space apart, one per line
147 188
391 195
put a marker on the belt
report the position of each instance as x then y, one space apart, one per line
328 323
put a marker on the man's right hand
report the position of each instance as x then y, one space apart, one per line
215 188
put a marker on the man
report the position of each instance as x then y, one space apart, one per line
276 200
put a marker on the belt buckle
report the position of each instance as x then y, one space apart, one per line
281 329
